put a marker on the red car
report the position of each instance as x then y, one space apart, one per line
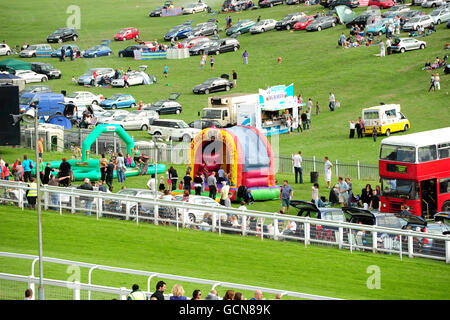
127 34
189 43
382 3
302 23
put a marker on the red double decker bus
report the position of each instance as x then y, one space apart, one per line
415 171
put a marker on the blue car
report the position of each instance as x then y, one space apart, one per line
379 26
118 100
57 52
99 50
178 32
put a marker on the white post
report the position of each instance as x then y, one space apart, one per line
97 213
410 247
114 139
45 200
123 295
275 229
401 249
76 290
244 225
214 221
340 237
220 228
359 173
100 207
447 251
262 229
350 238
32 287
155 213
337 170
293 171
374 241
72 200
127 210
307 233
137 215
314 163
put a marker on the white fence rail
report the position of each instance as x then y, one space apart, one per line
122 292
261 224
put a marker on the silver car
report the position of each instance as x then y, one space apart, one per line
432 3
88 77
110 114
406 44
134 78
130 122
440 15
419 21
263 26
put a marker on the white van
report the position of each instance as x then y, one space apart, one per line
385 119
31 50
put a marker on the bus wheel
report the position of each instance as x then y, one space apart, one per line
405 128
388 132
446 206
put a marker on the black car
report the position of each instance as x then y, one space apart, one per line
269 3
362 19
349 3
291 2
203 124
213 85
63 34
129 51
46 68
168 106
220 46
321 23
157 12
203 29
289 21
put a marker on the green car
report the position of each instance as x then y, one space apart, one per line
240 27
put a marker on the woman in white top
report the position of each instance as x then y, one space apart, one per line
120 168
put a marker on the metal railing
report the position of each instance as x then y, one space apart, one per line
122 292
220 219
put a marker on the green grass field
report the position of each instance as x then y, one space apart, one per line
281 265
316 66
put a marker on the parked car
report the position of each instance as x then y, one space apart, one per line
195 7
173 129
30 52
292 2
110 114
303 23
240 27
203 29
149 114
269 3
36 89
363 19
83 98
366 217
383 4
406 44
168 106
213 85
379 26
57 53
130 122
118 100
46 68
432 3
5 50
263 26
31 76
196 215
349 3
407 15
99 50
47 103
221 46
415 22
189 43
135 77
178 32
63 34
88 77
129 51
289 21
440 15
322 22
156 12
396 10
203 124
93 109
127 34
201 47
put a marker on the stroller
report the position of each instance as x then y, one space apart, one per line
245 194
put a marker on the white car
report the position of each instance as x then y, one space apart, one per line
173 129
195 7
5 50
432 3
110 114
31 76
406 44
93 108
150 114
31 51
134 78
414 23
440 15
196 215
83 98
130 122
263 26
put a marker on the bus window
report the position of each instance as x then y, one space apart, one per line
444 185
427 153
444 150
397 153
399 188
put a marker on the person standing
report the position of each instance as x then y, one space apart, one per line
389 45
327 171
212 185
286 195
235 79
382 49
304 118
297 162
71 54
211 61
173 176
187 181
352 129
27 165
224 192
103 165
110 174
374 201
343 192
40 148
309 104
317 108
32 194
431 83
361 128
202 62
437 80
166 71
374 134
136 156
121 168
87 200
331 100
64 173
151 184
198 183
245 56
350 189
63 55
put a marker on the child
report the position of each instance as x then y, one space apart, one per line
5 172
162 186
128 160
166 70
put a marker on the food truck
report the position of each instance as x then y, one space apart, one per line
268 111
385 119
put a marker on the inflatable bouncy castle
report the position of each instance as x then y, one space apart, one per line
243 152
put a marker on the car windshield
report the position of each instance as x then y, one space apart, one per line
190 5
182 124
25 100
389 221
399 188
174 29
398 153
72 95
32 48
415 19
47 67
114 97
209 81
59 31
120 117
435 13
108 114
96 48
211 114
122 31
304 19
158 103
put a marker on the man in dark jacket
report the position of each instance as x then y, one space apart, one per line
87 200
159 293
110 174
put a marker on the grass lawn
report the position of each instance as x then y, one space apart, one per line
247 260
